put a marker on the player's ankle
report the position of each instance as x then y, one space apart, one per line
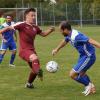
40 74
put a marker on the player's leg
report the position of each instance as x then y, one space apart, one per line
78 72
76 76
3 49
13 55
36 66
32 59
31 78
83 79
89 88
75 72
2 53
12 48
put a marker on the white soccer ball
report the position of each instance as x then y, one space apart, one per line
52 2
52 66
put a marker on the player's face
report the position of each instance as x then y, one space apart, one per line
31 17
9 19
64 32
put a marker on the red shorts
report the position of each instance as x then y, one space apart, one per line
25 54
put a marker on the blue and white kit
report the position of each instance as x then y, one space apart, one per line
8 36
86 50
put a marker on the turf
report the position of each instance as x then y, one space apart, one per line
56 86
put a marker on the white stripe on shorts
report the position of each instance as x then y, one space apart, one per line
84 64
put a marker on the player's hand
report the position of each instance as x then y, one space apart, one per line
52 28
54 52
4 40
10 27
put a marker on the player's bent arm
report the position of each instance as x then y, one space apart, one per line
94 42
5 29
47 32
61 45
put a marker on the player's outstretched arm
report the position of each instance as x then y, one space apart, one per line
5 29
47 32
61 45
94 42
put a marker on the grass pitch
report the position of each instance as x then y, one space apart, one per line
56 86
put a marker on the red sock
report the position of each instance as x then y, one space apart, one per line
35 66
32 77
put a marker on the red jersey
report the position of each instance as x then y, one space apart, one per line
27 34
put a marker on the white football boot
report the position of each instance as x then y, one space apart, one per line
88 89
11 65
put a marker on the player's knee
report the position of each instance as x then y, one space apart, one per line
3 52
72 74
14 52
35 66
33 57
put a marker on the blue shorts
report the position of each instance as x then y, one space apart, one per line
84 63
6 45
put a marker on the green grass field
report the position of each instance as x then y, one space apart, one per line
56 86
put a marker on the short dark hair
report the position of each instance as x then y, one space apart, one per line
65 25
29 10
7 16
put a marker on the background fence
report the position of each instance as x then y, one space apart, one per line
77 13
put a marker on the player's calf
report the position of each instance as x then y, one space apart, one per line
36 66
40 74
36 69
2 55
13 55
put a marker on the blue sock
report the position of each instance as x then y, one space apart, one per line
1 57
12 58
83 79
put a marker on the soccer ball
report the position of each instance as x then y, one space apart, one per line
52 2
52 66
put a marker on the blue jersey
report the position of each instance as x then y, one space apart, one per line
8 35
80 42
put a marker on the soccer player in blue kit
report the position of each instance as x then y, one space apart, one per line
8 41
86 49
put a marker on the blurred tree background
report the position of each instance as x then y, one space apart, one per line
64 10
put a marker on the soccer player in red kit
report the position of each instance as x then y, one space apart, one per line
27 33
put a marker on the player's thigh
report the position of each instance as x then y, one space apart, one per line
83 64
28 55
89 64
12 46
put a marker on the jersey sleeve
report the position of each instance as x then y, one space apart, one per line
82 38
39 30
17 26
